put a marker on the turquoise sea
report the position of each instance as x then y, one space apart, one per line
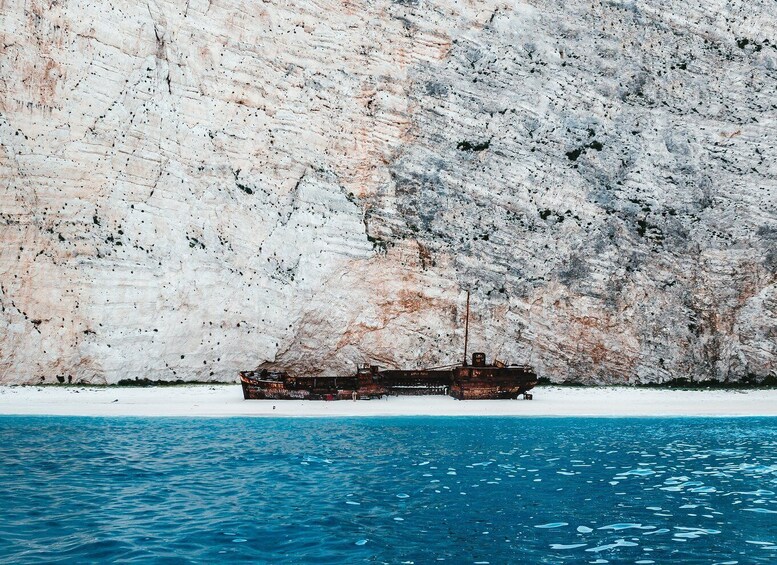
388 490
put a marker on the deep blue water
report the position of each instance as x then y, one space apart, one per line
394 490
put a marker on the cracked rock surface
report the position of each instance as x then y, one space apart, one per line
192 188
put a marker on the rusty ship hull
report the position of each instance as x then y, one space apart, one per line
478 381
487 383
258 385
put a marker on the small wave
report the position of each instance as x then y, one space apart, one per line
693 533
617 543
567 546
659 531
626 526
638 473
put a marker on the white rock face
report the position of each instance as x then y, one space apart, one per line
192 188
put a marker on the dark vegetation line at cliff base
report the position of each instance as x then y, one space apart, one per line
749 383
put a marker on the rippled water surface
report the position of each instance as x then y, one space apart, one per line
498 490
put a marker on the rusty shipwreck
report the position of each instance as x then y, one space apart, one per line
464 381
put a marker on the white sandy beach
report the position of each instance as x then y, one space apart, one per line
227 400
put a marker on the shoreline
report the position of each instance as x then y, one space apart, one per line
226 400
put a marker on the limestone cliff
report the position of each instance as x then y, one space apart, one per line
191 188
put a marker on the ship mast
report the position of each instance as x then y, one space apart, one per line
466 331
